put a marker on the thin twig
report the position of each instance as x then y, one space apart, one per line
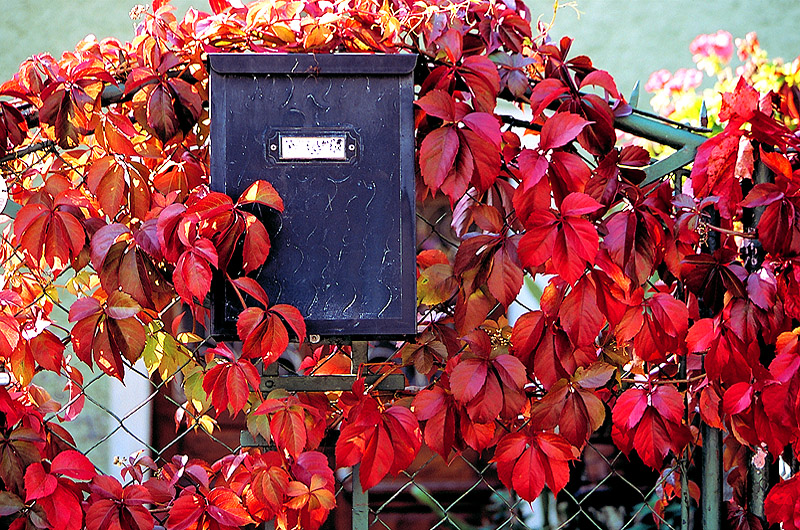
39 146
727 232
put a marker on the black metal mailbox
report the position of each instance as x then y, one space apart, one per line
334 134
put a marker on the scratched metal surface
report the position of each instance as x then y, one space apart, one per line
343 250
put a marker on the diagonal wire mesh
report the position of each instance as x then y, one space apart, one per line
607 490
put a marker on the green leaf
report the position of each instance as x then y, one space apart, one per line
163 353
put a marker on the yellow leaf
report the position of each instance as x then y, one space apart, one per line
436 284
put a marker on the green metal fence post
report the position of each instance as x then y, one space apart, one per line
711 500
360 502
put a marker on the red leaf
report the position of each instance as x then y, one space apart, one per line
253 288
762 195
437 155
533 166
227 382
293 317
185 511
256 244
467 379
121 305
439 104
737 398
668 402
72 464
226 508
782 502
483 80
262 192
580 314
505 279
525 463
560 129
629 408
741 104
161 113
652 440
578 204
537 243
602 79
437 407
484 125
38 483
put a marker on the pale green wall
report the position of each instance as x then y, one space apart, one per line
629 38
633 38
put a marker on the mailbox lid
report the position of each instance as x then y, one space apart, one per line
343 251
303 64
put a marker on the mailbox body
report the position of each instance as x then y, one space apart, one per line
334 134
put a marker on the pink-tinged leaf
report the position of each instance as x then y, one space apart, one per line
82 308
121 305
205 248
577 204
467 379
762 195
439 104
484 125
668 402
506 277
262 192
161 113
437 155
560 129
533 166
512 372
102 241
545 92
652 440
451 42
167 229
629 408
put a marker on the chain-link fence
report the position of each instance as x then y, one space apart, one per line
151 416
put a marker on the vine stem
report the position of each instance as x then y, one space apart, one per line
236 289
731 232
665 381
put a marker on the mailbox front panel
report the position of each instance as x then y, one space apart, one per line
334 135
